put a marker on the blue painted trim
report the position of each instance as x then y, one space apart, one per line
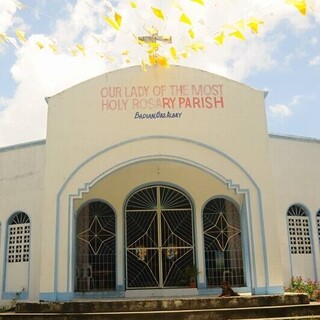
99 295
294 138
23 145
259 291
71 237
198 165
52 296
275 290
9 295
5 254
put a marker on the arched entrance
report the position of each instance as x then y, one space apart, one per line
223 243
159 238
95 248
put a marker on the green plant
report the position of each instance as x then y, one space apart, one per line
311 288
191 272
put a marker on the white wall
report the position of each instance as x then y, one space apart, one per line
21 189
296 173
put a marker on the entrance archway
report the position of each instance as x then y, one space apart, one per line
159 238
95 248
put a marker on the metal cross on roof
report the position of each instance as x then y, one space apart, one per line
154 37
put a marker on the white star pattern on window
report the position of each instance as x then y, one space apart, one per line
222 231
96 235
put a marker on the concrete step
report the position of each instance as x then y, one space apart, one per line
163 304
192 308
281 312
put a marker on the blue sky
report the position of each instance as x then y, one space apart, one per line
283 58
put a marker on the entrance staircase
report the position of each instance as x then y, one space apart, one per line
186 308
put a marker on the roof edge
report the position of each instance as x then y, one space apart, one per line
294 138
23 145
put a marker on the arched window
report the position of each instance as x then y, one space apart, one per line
19 238
223 243
95 248
299 230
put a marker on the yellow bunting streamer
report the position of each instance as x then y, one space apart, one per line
185 54
174 54
199 2
219 38
118 19
158 13
133 5
54 48
162 61
151 30
21 36
125 52
254 24
238 34
197 46
3 38
191 34
81 48
116 23
301 5
40 45
185 19
144 64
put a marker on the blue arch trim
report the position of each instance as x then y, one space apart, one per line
160 137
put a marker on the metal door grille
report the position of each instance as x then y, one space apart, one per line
95 248
159 236
223 244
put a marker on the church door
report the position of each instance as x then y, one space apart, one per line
159 238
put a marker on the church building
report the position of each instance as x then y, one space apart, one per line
157 184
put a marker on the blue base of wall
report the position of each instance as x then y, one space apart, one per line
268 290
15 295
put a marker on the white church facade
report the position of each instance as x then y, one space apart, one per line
146 175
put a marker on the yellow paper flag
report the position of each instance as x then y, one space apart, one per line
81 48
238 34
125 52
40 44
162 61
112 23
3 38
133 4
301 5
199 2
144 65
254 25
219 38
158 13
21 36
185 54
197 46
151 30
191 34
173 52
54 48
185 19
118 19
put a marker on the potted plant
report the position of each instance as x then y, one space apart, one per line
191 273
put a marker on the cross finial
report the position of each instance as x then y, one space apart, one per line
154 36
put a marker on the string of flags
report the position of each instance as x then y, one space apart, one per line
152 42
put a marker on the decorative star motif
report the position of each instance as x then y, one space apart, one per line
222 231
96 235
